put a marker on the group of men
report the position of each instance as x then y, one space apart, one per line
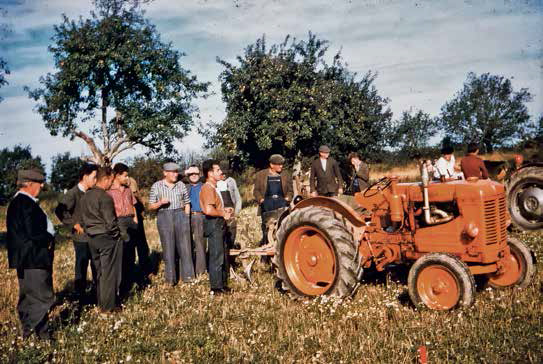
104 213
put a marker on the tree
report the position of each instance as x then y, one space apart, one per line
411 133
65 171
10 162
287 99
146 170
115 62
487 110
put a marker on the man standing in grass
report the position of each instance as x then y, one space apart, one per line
125 210
325 178
212 206
69 212
100 223
30 244
171 198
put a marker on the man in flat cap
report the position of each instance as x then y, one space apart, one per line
273 189
30 244
171 198
325 177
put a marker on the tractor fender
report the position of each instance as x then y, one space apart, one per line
335 205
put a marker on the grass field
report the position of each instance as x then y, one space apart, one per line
258 324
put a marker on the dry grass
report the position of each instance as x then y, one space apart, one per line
258 324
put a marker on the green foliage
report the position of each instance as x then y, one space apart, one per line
10 162
287 99
65 171
411 133
116 60
146 170
488 111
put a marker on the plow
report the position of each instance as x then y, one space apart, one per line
446 233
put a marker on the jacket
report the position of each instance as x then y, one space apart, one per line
261 184
98 214
234 194
29 244
68 211
328 181
363 177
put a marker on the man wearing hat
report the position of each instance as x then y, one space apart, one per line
171 198
30 244
273 189
325 174
196 219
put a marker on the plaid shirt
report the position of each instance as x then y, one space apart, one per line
178 195
124 201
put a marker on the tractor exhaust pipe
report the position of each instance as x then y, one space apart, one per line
428 218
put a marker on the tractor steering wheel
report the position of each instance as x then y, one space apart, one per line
380 185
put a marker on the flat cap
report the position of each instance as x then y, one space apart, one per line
277 159
30 175
324 149
170 166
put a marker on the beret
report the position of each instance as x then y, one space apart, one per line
30 175
277 159
170 166
324 149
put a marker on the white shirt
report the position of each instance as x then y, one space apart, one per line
50 226
446 168
323 163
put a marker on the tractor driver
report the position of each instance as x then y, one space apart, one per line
445 168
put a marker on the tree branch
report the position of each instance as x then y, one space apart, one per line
97 154
120 150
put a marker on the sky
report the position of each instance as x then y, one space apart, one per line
421 50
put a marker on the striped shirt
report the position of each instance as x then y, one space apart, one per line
178 195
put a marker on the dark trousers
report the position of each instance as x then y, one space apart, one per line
218 264
141 242
106 254
127 262
35 299
174 230
82 259
198 242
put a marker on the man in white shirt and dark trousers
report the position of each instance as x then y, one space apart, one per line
171 198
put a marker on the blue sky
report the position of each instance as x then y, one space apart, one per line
422 50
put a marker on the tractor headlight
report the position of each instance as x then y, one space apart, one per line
471 230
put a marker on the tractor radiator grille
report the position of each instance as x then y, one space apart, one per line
495 220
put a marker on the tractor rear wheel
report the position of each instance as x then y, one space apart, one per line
525 198
316 255
441 282
519 267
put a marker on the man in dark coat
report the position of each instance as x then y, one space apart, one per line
30 244
69 212
326 175
100 223
361 173
273 189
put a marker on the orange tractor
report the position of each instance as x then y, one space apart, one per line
448 232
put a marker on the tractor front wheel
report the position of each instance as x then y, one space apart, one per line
315 255
519 267
441 282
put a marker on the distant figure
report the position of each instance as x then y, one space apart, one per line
100 223
30 245
325 174
361 173
69 212
473 166
171 198
445 168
